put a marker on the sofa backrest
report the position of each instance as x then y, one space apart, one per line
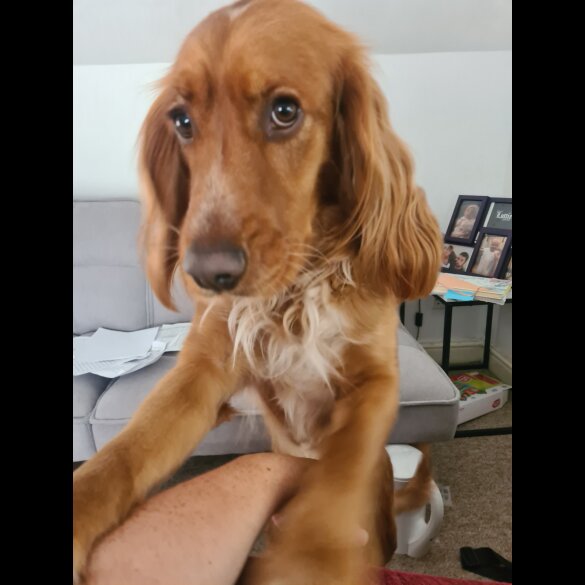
109 285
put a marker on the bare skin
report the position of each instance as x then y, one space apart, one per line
199 532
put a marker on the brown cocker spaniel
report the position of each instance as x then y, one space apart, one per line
276 188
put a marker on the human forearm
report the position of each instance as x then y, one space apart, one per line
201 531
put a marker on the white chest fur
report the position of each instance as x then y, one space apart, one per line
298 349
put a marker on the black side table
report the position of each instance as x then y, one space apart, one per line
447 350
448 319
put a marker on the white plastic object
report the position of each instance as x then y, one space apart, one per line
413 531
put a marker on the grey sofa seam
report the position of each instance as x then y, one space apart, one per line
90 416
115 421
113 199
149 304
95 419
108 386
106 265
89 427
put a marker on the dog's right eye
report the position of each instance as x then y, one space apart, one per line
182 123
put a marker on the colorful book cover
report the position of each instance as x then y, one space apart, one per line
472 383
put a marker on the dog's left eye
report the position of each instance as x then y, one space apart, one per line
285 112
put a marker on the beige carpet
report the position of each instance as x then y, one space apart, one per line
478 471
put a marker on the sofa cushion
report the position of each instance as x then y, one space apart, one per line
127 392
405 338
242 434
86 391
428 405
95 287
429 402
105 232
109 285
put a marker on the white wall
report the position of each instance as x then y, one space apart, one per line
109 105
150 31
502 335
455 112
453 109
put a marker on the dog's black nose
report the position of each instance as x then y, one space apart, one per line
216 266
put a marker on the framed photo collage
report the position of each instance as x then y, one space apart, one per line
478 240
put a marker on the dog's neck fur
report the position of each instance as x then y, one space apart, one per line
294 341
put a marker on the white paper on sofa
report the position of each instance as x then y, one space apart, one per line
117 368
173 335
107 345
129 351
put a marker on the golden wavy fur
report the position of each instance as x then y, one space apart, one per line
335 234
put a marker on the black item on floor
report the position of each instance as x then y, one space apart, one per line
487 563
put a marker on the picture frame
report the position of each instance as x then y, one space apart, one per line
467 218
455 258
490 253
499 213
506 273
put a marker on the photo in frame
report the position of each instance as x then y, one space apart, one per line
507 268
455 258
491 252
499 214
467 219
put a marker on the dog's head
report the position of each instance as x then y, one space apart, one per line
269 144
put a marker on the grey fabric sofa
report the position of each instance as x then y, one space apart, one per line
110 290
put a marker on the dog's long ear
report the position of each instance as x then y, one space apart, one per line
389 220
165 188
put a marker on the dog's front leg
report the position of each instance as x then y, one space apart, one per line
340 494
175 416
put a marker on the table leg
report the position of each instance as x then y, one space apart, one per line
488 336
447 337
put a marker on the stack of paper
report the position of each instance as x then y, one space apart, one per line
452 288
464 287
493 290
115 353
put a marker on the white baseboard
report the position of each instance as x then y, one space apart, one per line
501 366
464 352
